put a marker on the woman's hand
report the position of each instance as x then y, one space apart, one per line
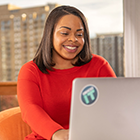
61 135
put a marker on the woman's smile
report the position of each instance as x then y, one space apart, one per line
71 48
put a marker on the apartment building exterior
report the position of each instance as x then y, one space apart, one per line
20 33
111 47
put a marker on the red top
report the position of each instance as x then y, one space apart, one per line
45 98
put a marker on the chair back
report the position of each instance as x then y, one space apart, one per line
12 127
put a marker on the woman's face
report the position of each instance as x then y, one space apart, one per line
68 38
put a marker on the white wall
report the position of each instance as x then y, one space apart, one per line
132 37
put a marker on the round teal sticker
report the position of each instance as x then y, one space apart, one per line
89 95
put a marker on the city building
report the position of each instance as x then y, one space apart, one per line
20 33
111 47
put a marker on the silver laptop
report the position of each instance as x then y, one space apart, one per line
105 109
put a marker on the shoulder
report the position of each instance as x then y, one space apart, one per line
96 62
28 70
98 59
103 67
29 66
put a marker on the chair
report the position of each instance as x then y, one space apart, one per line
12 127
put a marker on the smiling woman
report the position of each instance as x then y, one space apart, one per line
68 41
71 29
44 85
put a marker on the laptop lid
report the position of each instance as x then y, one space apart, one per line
105 109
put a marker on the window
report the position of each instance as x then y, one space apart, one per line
28 29
43 17
24 16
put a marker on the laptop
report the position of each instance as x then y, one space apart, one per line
105 109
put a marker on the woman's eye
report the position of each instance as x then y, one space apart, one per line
64 33
79 34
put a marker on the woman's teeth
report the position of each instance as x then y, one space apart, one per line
71 48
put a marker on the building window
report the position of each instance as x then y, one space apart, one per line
47 8
43 17
34 15
23 17
12 16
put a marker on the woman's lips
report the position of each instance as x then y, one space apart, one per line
71 48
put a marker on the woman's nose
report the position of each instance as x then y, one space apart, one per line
73 38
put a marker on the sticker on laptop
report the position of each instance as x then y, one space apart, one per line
89 95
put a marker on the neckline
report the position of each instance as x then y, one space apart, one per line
66 71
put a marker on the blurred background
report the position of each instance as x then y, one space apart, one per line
21 27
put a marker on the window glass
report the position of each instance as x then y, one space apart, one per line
21 33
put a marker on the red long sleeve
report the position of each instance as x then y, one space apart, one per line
45 98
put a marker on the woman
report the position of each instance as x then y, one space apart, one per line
44 84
